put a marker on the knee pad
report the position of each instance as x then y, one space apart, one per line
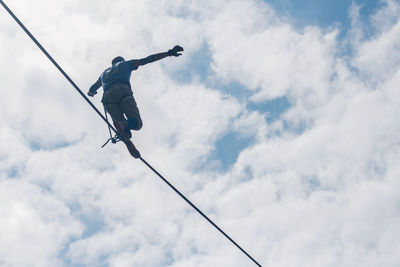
134 124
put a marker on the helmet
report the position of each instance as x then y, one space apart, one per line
117 59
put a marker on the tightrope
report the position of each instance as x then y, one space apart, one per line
115 131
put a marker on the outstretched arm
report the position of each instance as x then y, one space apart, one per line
172 52
152 58
94 87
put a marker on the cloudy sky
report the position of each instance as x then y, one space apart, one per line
280 121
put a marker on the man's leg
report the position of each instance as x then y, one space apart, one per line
129 107
115 112
118 119
111 99
122 128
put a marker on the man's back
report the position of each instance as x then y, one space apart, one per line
118 73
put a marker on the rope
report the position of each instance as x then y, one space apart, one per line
112 139
105 114
199 211
112 127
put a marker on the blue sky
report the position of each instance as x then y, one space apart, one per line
324 13
279 122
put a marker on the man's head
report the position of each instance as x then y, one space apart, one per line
117 59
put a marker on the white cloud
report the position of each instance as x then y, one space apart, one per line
34 226
267 55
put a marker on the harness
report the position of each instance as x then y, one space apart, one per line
113 139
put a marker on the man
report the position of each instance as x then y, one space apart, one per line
118 97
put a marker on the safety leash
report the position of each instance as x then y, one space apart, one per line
113 139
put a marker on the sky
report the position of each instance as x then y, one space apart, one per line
279 121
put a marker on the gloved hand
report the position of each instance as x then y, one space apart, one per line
91 93
174 51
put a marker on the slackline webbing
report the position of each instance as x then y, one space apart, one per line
112 127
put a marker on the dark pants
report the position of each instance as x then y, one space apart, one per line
119 101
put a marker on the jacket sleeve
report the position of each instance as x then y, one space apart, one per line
95 86
152 58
